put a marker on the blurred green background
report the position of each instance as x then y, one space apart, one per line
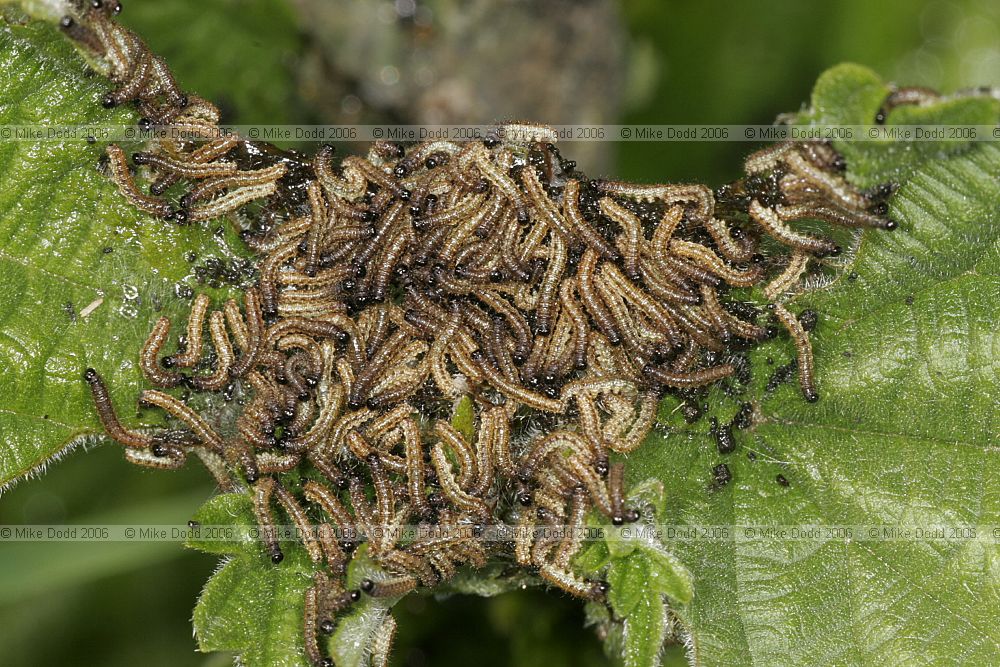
271 61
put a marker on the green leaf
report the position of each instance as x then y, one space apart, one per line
234 513
644 633
619 544
649 493
639 572
629 581
57 217
593 556
255 609
464 418
47 10
906 352
888 160
667 574
850 94
82 274
251 606
904 434
847 94
637 582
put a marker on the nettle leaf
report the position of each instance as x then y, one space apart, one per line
250 606
667 575
629 580
846 94
619 542
225 525
464 418
904 434
255 608
68 241
851 94
82 274
593 557
644 632
640 572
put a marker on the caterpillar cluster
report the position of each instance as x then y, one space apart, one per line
229 171
393 285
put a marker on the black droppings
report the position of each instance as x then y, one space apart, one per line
781 375
721 475
724 440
